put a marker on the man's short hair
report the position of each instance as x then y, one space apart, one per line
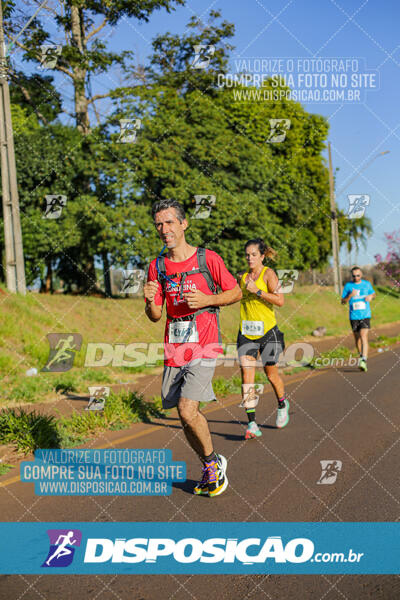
356 269
168 203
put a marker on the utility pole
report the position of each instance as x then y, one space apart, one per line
337 275
14 254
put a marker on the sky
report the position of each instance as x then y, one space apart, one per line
364 33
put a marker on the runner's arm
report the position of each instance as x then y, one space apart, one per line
225 298
348 297
152 310
349 294
272 281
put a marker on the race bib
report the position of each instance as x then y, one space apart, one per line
359 305
180 332
253 328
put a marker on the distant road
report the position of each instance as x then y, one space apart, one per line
341 415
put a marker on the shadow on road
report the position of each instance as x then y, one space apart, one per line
186 486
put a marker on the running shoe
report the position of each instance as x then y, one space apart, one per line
217 479
282 418
252 431
362 365
201 489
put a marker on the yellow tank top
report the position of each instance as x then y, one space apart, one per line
256 316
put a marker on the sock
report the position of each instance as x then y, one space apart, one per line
364 358
210 457
281 402
251 414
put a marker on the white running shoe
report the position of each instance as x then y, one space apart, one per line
282 418
252 431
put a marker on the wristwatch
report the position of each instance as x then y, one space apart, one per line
259 293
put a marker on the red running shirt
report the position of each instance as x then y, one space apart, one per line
176 355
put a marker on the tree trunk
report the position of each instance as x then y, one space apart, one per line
48 285
87 276
81 102
106 274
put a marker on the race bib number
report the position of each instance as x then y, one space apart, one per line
359 305
183 331
253 328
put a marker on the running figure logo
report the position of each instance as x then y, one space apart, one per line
202 56
54 205
98 395
49 56
63 347
357 205
132 281
128 130
62 547
330 471
286 277
204 205
278 130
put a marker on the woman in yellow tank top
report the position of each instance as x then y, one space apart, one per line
259 333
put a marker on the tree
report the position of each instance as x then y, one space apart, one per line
391 263
48 164
84 52
195 139
352 232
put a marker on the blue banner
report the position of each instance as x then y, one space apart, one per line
200 548
103 472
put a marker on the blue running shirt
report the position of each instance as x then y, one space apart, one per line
359 307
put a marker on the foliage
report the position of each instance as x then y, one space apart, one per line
391 263
195 138
28 431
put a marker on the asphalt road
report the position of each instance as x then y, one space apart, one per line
336 414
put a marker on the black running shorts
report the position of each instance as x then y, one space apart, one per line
270 346
357 324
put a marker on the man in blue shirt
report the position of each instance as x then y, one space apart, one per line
359 293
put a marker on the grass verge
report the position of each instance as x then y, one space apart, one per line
28 431
4 468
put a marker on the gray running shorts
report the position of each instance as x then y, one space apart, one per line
193 381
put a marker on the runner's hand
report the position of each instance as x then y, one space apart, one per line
368 298
150 289
353 293
250 285
197 299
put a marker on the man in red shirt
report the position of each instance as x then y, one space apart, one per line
185 279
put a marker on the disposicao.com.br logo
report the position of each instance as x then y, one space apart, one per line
248 551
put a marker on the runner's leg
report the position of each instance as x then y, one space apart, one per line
364 342
357 339
247 368
248 371
272 373
197 432
195 427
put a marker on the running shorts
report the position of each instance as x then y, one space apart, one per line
270 346
193 381
357 324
